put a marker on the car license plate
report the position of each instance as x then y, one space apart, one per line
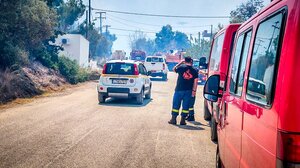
119 81
153 71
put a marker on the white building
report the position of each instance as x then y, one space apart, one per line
76 47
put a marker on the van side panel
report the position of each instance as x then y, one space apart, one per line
289 116
259 133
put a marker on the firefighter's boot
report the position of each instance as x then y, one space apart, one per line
173 120
182 121
191 117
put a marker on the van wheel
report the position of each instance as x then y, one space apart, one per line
218 159
213 130
140 98
148 95
207 115
101 98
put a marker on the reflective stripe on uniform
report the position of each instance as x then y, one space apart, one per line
175 111
191 108
185 111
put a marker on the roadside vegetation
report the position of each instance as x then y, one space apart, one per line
27 51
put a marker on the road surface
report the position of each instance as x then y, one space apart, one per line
72 130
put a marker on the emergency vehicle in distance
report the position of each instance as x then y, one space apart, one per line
118 55
138 55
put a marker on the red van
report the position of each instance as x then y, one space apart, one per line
259 119
218 64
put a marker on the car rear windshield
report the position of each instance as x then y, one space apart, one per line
154 59
120 68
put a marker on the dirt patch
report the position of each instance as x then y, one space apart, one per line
28 82
45 79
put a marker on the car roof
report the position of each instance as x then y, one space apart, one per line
123 61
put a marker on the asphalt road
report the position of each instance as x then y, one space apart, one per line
71 130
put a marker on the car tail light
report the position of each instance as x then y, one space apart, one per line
164 66
136 71
104 69
288 148
101 88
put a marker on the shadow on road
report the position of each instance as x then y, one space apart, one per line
190 127
198 123
158 80
124 102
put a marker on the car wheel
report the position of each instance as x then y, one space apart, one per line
218 159
148 96
101 98
207 115
140 98
213 129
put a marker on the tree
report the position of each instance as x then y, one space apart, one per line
167 40
244 11
100 45
105 45
164 38
136 36
199 50
181 40
69 12
26 25
139 41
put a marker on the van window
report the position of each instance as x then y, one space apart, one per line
235 64
154 59
214 63
261 76
241 73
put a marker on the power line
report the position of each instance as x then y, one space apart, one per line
114 20
147 24
160 15
132 30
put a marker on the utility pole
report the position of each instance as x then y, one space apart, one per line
90 11
275 27
106 28
87 24
101 17
211 33
199 34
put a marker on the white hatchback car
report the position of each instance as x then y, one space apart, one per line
124 79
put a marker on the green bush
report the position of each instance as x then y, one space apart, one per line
11 55
83 75
72 71
69 69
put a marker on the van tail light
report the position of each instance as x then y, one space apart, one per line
288 149
136 71
164 66
104 69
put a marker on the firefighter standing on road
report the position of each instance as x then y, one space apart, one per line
186 88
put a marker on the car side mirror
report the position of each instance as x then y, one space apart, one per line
149 73
211 88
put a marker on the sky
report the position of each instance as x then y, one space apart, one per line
150 25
